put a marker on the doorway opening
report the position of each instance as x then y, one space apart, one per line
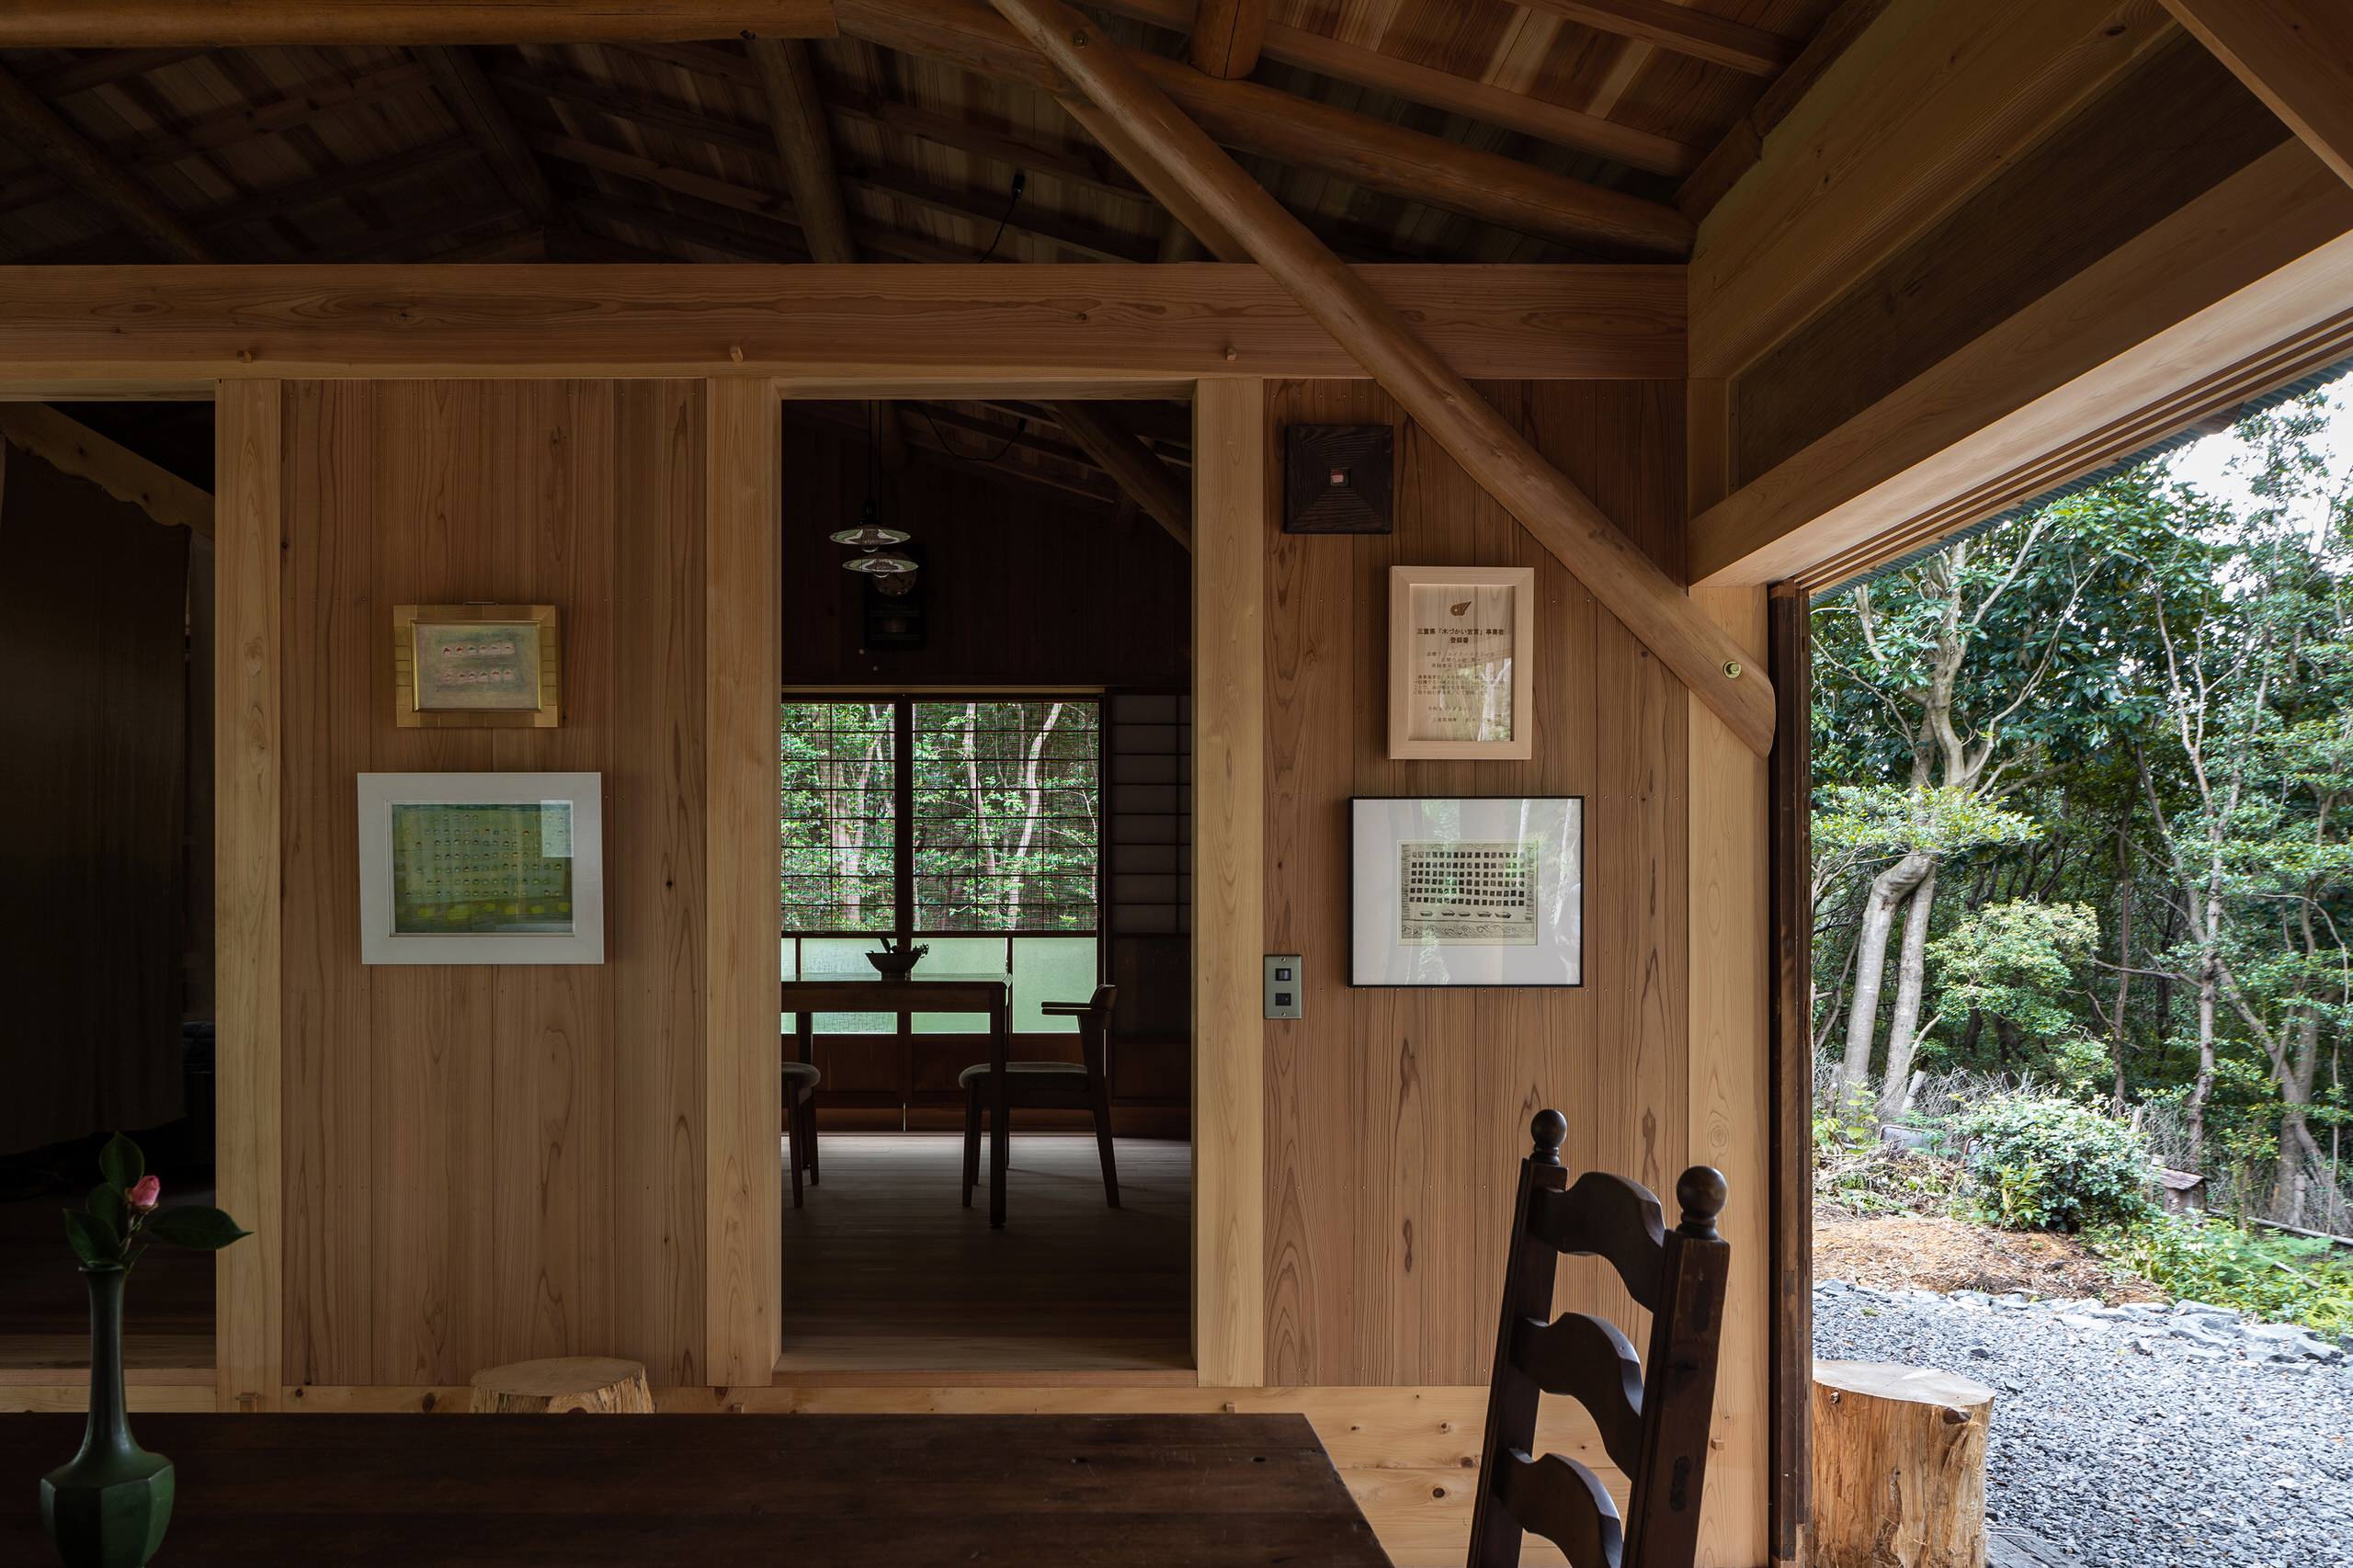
105 827
984 756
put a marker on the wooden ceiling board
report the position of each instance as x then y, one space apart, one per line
284 153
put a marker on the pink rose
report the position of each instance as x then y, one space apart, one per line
144 1194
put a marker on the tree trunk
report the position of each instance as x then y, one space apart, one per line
2210 984
596 1385
1899 1467
1889 888
1911 978
2122 1036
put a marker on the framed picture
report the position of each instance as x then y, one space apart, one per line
477 665
1460 639
482 868
1468 891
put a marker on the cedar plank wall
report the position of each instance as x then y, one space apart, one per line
1396 1119
488 1163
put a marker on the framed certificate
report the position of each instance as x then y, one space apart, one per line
477 665
1467 891
1458 643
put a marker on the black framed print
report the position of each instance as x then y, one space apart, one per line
1483 890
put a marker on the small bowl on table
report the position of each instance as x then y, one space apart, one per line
896 965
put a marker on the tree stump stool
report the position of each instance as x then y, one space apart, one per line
594 1385
1899 1467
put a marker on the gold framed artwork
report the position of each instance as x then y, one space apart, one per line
1460 645
477 665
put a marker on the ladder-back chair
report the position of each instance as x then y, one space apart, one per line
1654 1426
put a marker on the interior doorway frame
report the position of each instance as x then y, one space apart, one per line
1230 478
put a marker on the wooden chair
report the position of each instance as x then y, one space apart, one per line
1653 1428
1051 1086
801 1081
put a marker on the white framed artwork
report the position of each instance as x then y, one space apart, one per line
1467 891
482 868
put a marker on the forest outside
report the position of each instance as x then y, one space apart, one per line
2083 844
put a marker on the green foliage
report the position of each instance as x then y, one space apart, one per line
2044 1164
2282 1278
1884 819
2017 962
119 1221
1005 805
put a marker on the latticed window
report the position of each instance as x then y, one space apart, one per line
971 824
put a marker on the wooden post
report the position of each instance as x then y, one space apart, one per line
1899 1467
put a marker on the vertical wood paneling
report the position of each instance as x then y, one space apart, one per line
1231 485
744 1304
490 1163
249 1300
1395 1117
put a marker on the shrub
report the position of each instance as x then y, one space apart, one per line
2052 1164
2286 1279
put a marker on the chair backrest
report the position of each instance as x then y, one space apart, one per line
1095 1031
1653 1428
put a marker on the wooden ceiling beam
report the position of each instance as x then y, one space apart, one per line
1067 479
1360 66
473 103
1501 460
71 447
1085 324
106 66
1277 125
1191 230
245 123
795 116
338 183
1844 184
2296 56
2196 302
1226 35
1743 142
1136 468
796 112
246 24
1680 29
64 152
1039 156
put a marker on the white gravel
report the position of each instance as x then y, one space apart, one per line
2147 1438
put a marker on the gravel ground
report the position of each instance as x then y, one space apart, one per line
2133 1436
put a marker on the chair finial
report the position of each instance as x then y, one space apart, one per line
1551 1130
1701 1191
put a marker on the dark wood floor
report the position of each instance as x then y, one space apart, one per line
45 1311
885 1271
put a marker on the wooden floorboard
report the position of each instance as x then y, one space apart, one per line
885 1271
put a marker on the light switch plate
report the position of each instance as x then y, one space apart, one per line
1285 987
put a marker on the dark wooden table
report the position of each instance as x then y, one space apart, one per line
719 1490
939 992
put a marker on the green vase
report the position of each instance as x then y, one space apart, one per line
107 1507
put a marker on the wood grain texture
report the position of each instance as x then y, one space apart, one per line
1789 628
744 1266
2296 56
249 754
1234 506
43 134
2253 263
1108 324
236 24
454 1161
71 447
1930 102
1731 1091
1396 1117
2170 127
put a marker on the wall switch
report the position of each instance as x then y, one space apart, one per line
1284 987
